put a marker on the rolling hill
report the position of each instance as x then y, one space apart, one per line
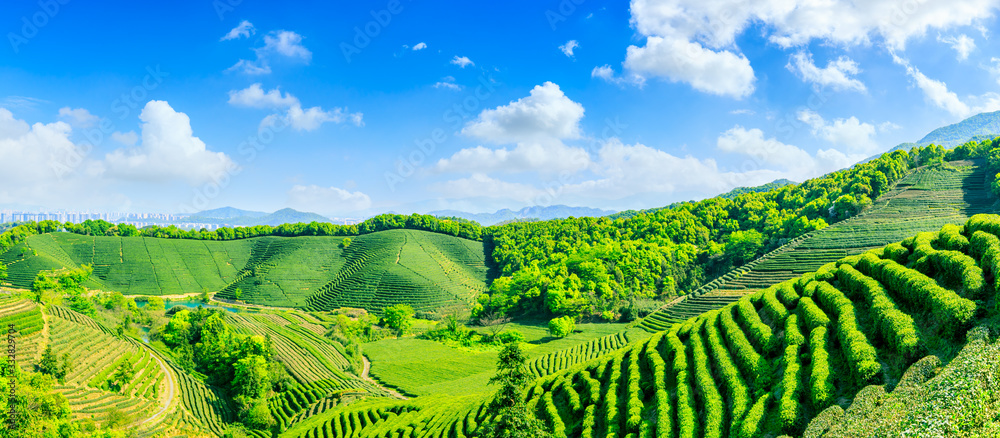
427 270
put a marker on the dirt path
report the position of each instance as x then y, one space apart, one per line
167 396
365 377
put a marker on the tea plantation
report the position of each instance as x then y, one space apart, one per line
429 271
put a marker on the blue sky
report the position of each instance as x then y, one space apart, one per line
355 108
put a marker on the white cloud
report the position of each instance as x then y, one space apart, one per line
838 74
420 46
545 114
722 73
796 22
462 61
544 157
607 73
694 41
254 96
169 151
935 91
792 162
282 43
243 30
567 48
449 83
963 45
300 119
327 200
479 185
743 112
847 134
126 138
78 117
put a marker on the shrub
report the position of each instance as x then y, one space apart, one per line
760 333
772 306
813 315
753 424
896 252
950 238
793 335
986 247
726 369
820 383
861 356
751 363
896 327
788 407
687 415
714 405
787 294
562 326
953 311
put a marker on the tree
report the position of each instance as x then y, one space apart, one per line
511 417
562 327
237 294
251 378
123 374
398 318
66 368
346 242
743 246
155 304
49 364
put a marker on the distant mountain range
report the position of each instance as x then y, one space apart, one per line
245 218
536 212
983 126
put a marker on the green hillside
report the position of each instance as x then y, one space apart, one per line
924 200
766 365
427 270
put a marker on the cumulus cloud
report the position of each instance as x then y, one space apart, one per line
791 161
567 48
420 46
168 151
545 114
849 134
692 41
722 73
308 119
78 117
277 44
462 61
243 30
547 157
962 44
838 74
327 200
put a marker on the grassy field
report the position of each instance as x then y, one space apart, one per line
422 367
431 272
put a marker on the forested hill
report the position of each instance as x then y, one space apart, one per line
599 266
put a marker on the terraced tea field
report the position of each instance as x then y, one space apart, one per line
430 271
924 200
771 361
